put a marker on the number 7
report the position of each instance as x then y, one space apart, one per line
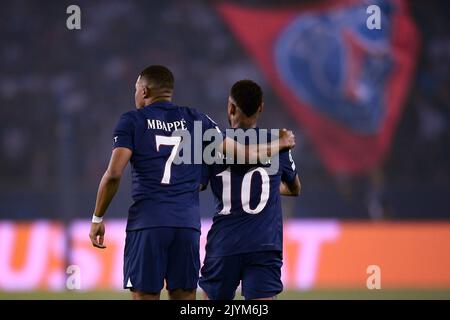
168 141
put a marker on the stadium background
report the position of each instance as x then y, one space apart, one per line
62 91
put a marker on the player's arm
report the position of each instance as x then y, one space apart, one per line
290 182
292 188
106 191
253 152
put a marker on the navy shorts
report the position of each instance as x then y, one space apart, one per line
260 273
162 253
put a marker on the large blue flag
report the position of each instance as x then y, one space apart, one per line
343 82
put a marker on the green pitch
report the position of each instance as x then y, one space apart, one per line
287 295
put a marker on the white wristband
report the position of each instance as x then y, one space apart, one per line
96 219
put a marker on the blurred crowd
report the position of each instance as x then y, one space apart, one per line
62 91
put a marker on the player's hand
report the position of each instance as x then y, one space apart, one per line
287 139
97 235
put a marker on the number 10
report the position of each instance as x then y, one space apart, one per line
245 191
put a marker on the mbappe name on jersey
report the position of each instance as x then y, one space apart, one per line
166 126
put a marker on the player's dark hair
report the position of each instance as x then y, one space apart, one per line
248 96
158 77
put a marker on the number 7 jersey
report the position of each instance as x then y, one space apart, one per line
248 215
165 194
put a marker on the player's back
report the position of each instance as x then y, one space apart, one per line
164 193
248 214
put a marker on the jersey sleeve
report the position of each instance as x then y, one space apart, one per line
287 166
124 132
209 123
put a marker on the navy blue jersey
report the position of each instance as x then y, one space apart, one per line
165 194
248 215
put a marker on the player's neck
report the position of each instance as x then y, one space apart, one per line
245 124
162 98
